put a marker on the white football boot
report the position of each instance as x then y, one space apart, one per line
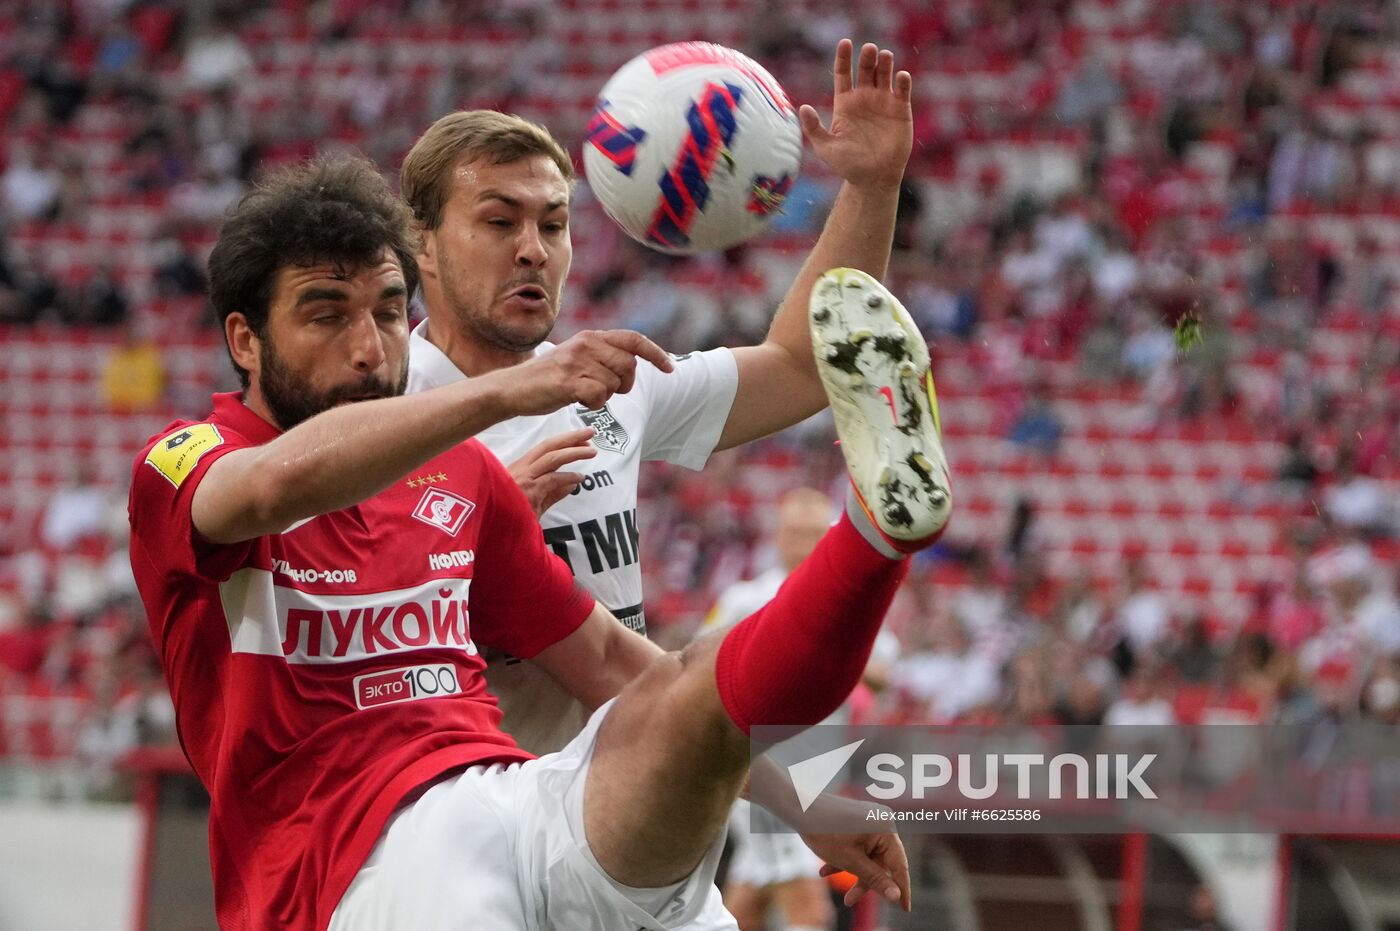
875 367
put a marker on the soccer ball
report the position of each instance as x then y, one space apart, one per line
692 147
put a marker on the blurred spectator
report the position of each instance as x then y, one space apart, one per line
1378 614
1142 701
1195 657
1079 610
1355 501
1308 164
1141 618
205 198
178 273
31 183
943 673
74 191
1149 346
1298 467
1036 427
1292 279
100 301
217 58
1369 279
980 605
133 378
223 133
76 511
1087 699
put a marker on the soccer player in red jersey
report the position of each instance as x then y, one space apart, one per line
321 557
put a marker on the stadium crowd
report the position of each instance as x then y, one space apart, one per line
1172 203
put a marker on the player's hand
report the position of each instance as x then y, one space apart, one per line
877 861
586 369
872 123
537 472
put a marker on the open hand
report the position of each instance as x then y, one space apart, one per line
872 122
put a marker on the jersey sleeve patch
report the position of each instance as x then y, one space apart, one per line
176 454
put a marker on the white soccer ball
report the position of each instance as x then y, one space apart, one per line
692 147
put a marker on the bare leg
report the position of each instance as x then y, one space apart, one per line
667 768
673 752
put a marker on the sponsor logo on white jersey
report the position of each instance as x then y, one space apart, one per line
275 620
443 510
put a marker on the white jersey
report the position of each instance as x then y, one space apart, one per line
676 417
741 599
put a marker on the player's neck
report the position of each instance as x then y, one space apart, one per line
473 357
253 400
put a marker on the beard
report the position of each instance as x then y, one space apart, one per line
291 400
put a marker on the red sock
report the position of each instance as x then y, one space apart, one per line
797 658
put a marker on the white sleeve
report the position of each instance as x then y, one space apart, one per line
688 408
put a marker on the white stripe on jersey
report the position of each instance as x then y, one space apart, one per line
268 619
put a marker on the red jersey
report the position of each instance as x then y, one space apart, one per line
322 674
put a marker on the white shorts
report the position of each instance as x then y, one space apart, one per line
763 859
502 847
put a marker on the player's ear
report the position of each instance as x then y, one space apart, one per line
242 341
427 251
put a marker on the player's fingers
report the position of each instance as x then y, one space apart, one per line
841 67
594 389
558 441
556 488
865 65
896 861
812 126
884 69
556 459
904 86
638 345
872 876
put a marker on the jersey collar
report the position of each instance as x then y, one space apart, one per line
428 365
229 409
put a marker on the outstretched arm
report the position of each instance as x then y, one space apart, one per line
347 454
868 145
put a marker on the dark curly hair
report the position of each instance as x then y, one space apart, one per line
335 208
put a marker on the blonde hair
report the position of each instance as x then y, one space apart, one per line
425 179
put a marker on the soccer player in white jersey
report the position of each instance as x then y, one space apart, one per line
492 193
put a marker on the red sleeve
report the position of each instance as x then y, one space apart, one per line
523 597
162 489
